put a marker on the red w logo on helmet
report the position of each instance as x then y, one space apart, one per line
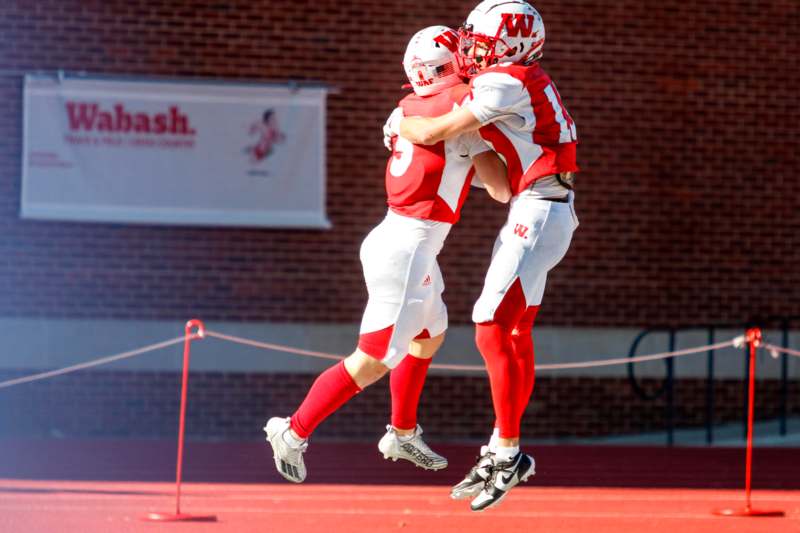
517 23
449 40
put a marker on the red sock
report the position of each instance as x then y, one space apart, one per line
329 392
406 382
495 344
523 352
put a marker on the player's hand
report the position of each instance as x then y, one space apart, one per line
392 127
387 137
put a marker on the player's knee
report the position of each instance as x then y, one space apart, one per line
364 369
505 309
425 348
525 325
492 340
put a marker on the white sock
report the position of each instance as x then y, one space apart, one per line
504 454
493 440
404 438
291 440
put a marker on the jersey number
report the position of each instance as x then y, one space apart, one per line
403 152
568 131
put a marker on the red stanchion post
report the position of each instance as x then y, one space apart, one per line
753 338
178 516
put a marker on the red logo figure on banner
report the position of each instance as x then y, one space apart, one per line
268 136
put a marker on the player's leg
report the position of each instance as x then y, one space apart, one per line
408 379
494 340
522 341
403 438
544 256
551 224
553 247
496 313
338 384
522 344
499 309
496 344
332 389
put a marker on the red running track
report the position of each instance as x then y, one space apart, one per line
105 486
99 507
360 463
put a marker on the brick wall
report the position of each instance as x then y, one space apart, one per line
687 114
235 406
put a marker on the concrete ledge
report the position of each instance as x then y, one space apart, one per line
53 343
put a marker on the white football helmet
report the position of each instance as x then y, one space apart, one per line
500 30
431 63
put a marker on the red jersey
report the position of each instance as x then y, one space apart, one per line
525 121
432 182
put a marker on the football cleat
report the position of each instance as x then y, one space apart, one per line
412 449
474 481
288 459
505 476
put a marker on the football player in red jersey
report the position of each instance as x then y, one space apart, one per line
517 109
405 318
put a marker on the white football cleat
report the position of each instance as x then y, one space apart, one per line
413 449
505 476
288 458
473 482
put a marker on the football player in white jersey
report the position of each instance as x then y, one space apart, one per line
405 319
517 109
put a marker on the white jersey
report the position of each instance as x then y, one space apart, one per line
524 121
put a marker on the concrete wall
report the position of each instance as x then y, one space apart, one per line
47 343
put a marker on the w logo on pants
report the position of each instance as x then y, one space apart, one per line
520 230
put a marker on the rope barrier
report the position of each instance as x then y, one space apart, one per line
642 358
774 350
270 346
94 362
322 355
479 368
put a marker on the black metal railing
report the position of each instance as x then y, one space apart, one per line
667 388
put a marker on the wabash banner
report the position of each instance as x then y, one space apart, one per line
173 153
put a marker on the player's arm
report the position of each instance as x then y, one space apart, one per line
431 130
493 97
490 170
492 173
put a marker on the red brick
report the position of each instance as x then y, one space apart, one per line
688 197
